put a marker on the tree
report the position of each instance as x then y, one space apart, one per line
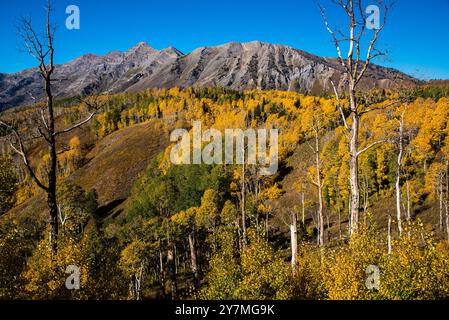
8 184
208 214
184 222
133 262
42 49
294 239
354 69
401 141
316 126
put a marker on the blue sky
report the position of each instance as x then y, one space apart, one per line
417 35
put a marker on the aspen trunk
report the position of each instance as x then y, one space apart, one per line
243 202
354 71
320 191
193 260
339 212
267 226
447 199
440 191
339 223
365 201
294 240
176 258
354 164
398 177
138 282
162 274
303 209
172 273
408 202
389 234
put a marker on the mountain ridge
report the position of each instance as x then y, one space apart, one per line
240 66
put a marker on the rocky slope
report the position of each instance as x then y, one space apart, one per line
253 65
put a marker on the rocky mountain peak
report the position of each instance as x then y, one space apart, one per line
239 66
141 48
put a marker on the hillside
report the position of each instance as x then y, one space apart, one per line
111 167
147 210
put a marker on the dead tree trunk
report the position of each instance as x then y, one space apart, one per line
51 193
294 240
354 68
42 49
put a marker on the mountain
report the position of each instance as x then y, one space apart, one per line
252 65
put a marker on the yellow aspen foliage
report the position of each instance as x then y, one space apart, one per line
46 273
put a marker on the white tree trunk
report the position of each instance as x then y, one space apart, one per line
320 192
447 199
303 209
243 201
389 234
440 191
409 206
354 164
294 241
398 176
193 258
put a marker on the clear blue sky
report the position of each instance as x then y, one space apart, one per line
417 35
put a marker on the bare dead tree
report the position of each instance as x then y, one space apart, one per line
42 49
354 69
294 240
289 217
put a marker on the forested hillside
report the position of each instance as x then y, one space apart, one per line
140 227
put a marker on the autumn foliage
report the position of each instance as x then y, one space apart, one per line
223 231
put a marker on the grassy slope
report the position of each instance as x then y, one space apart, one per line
115 162
112 167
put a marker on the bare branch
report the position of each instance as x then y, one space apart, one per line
20 150
334 37
379 107
43 119
371 47
91 115
50 32
369 147
310 146
92 104
337 96
359 37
